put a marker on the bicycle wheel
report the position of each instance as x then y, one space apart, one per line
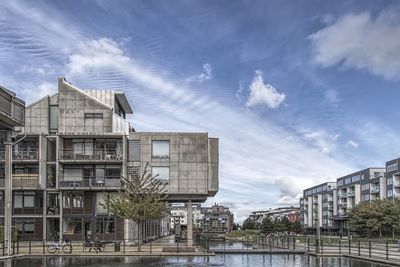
67 248
52 249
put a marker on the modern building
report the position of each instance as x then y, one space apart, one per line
179 215
292 213
392 177
77 144
318 208
217 219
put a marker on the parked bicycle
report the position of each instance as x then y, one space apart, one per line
54 247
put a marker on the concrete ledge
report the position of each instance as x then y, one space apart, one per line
178 249
257 251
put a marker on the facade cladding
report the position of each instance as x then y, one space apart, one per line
76 145
327 205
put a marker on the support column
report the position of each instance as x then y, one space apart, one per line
61 209
8 196
190 223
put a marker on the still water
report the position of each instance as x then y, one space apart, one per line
239 260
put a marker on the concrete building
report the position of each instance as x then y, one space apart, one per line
77 147
349 193
217 219
392 179
318 208
179 215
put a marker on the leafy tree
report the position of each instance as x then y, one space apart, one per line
141 198
249 224
267 225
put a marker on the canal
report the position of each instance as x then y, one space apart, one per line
231 260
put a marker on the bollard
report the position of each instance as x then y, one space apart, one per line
17 247
369 248
288 243
322 246
294 243
316 246
3 247
30 247
359 249
151 247
177 246
340 246
70 247
44 245
308 244
123 244
387 250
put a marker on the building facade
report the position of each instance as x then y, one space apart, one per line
292 213
392 177
216 219
75 147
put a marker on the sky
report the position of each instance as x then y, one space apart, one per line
298 92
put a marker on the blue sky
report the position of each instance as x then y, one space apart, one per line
299 92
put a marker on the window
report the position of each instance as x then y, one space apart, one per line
390 193
347 181
365 187
160 149
24 199
72 226
389 181
51 175
73 200
24 225
365 197
340 183
53 119
105 226
356 178
93 115
134 150
162 172
51 150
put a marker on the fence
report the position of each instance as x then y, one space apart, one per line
43 247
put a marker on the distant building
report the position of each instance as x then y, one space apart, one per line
216 219
292 212
179 215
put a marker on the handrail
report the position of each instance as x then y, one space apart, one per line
95 154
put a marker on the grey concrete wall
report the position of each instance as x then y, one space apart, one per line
37 117
213 166
73 104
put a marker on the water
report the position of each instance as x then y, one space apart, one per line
229 260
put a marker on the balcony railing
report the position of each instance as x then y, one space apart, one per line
93 155
342 195
25 154
351 194
91 182
374 190
26 180
397 184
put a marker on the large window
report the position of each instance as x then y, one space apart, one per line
53 119
73 200
389 181
105 226
134 150
160 149
24 225
162 172
72 226
24 199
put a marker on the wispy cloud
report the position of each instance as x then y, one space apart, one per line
325 142
207 74
264 94
361 41
352 144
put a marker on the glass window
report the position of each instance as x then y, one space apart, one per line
72 226
390 193
160 149
51 175
73 174
29 201
53 120
18 200
162 172
389 181
51 150
73 200
134 150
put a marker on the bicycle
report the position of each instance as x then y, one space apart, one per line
54 247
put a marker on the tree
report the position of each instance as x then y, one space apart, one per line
267 225
141 198
249 224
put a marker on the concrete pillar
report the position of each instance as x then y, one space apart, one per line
8 196
190 223
61 201
44 215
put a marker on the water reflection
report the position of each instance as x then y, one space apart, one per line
228 260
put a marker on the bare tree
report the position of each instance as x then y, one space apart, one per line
141 198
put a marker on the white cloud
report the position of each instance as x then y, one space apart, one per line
264 94
353 144
325 142
207 74
288 200
360 41
332 96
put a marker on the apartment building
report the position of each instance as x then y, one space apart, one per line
179 215
216 219
292 213
75 147
392 179
318 208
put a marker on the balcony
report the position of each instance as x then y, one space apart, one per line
25 154
12 109
396 184
102 155
374 190
342 195
91 182
343 204
26 181
351 194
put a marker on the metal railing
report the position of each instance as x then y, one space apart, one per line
23 180
97 246
25 154
108 181
67 154
374 190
